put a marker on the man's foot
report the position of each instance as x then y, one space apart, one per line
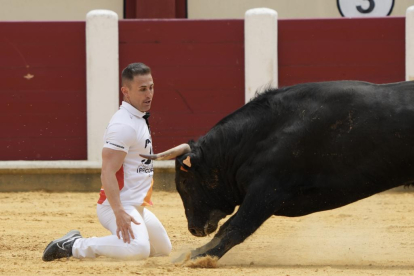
62 247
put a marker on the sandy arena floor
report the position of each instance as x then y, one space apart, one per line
374 236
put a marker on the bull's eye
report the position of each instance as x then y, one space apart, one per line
183 187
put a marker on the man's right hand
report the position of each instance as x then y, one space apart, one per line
123 223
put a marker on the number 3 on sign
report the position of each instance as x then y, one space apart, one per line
365 8
369 9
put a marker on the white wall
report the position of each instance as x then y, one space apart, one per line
55 10
214 9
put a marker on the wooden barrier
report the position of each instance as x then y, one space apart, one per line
198 68
341 49
42 91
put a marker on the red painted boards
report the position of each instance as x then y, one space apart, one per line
140 9
42 91
198 70
367 49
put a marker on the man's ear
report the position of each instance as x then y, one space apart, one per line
124 91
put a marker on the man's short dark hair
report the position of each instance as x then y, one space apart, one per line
134 69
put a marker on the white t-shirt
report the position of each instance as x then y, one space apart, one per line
128 131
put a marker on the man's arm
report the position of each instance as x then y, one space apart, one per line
112 161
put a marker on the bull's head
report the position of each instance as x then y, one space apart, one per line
202 210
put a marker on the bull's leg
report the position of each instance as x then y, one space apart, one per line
257 207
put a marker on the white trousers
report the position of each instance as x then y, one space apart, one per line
151 239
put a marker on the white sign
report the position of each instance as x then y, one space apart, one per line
365 8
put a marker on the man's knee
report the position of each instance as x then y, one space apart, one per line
137 250
163 250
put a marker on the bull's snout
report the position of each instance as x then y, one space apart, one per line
202 231
198 232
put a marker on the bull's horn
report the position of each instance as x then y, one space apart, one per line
169 154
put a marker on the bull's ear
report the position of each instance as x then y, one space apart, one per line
187 161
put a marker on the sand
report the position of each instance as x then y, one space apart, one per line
374 236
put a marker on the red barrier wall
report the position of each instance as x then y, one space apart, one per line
42 91
368 49
198 70
151 9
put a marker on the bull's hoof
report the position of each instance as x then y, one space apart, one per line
182 258
202 261
195 257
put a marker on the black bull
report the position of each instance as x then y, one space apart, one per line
292 152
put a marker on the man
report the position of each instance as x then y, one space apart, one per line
126 183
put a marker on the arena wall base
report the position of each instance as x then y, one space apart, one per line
79 176
69 176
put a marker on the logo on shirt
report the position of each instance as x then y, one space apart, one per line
145 169
121 147
147 142
146 164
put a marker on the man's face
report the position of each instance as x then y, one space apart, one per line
139 92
